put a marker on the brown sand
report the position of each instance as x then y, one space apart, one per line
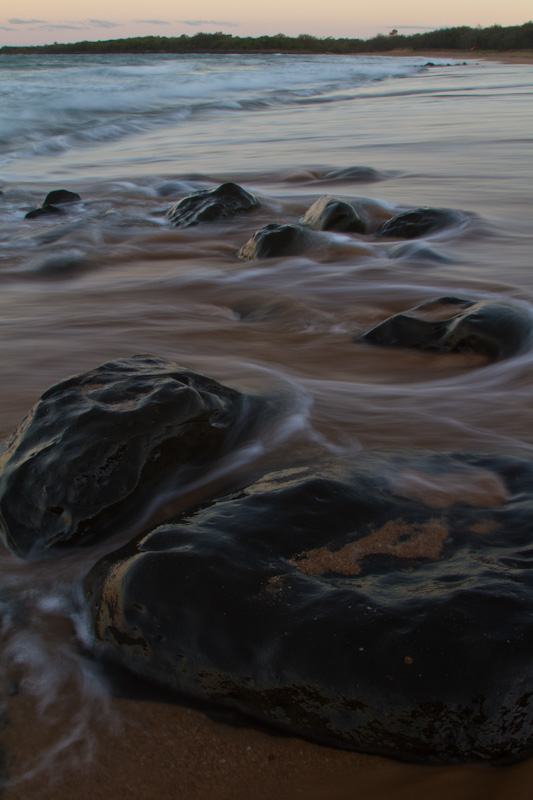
144 750
396 538
156 751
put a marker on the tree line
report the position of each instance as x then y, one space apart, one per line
496 37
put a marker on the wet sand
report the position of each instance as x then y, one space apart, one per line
148 750
144 749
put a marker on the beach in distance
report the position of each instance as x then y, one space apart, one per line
504 56
111 274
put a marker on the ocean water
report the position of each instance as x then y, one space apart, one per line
112 277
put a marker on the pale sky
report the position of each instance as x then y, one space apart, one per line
32 22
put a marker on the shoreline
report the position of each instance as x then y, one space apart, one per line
146 749
503 56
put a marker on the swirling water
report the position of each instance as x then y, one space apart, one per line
134 133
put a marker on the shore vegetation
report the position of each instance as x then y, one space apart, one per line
493 38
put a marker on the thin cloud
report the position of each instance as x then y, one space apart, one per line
197 22
103 23
152 22
17 21
62 26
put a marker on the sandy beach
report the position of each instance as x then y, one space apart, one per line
129 283
504 56
147 751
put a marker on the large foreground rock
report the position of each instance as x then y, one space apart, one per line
97 449
212 205
381 602
493 328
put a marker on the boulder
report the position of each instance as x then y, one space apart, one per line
51 201
382 602
212 205
59 197
99 448
419 222
330 214
493 328
275 240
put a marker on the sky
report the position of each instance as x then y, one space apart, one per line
25 22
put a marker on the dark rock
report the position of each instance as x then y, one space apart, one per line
419 221
51 201
59 197
330 214
382 602
95 451
493 328
211 205
275 240
43 211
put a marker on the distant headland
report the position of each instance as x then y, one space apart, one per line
492 39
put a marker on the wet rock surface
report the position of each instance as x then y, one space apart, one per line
51 202
91 454
493 328
60 196
276 240
419 222
212 205
331 214
43 211
380 601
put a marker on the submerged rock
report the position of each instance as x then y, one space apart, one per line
330 214
43 211
93 453
363 174
381 602
211 205
493 328
419 221
275 240
418 251
51 201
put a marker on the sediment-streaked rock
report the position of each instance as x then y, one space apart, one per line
331 214
276 240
